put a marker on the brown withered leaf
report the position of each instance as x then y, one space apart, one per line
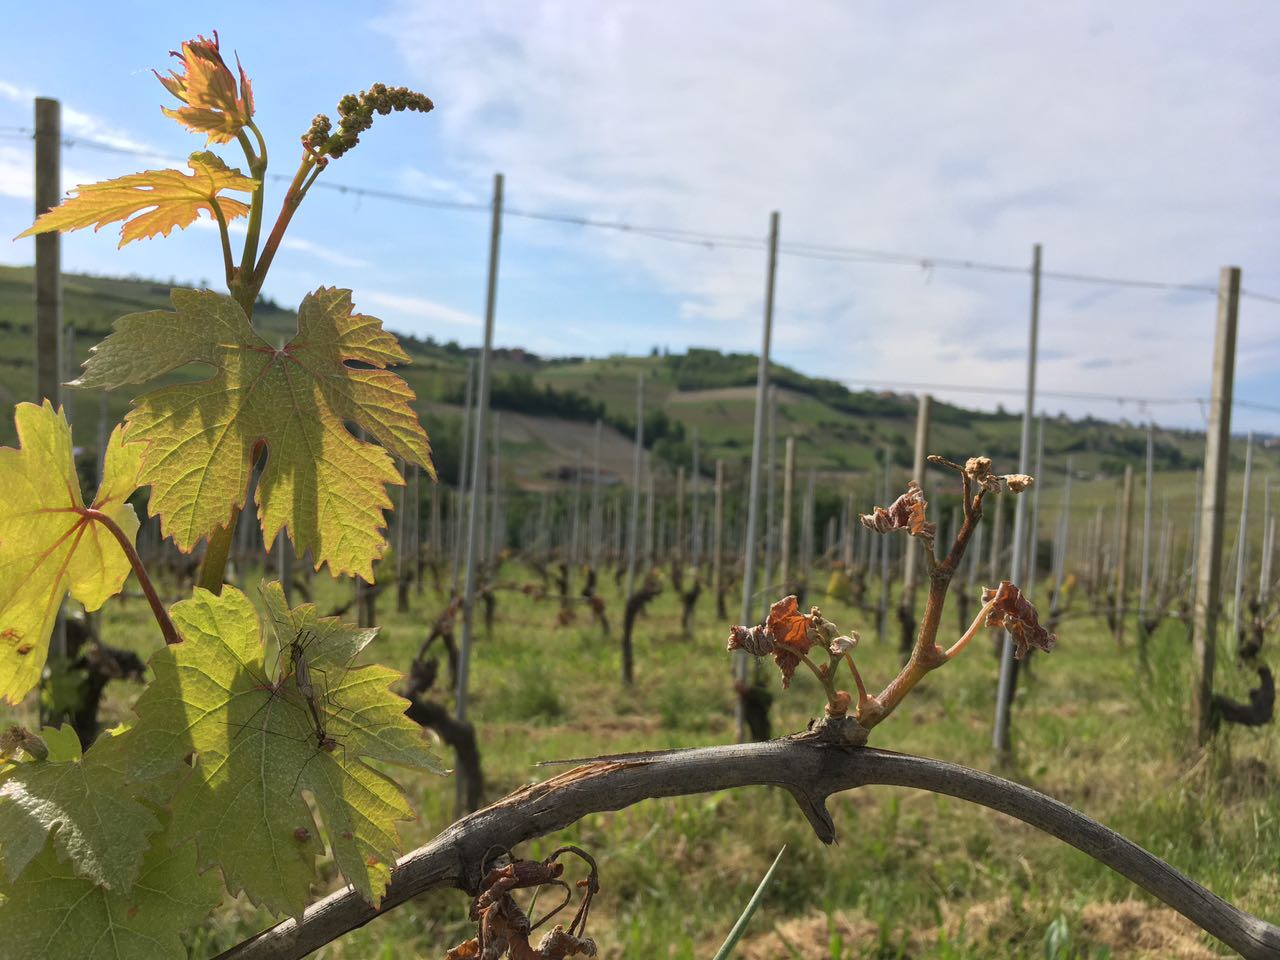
559 944
1014 613
755 640
467 950
905 513
978 470
1017 482
843 644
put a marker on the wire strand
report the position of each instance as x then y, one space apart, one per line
708 240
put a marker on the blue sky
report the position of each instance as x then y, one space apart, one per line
1139 142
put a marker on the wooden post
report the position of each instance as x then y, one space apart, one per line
633 529
1000 739
48 274
1242 542
788 495
753 478
478 456
1124 532
1206 604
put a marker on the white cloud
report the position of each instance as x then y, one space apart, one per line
301 245
77 123
1129 141
416 307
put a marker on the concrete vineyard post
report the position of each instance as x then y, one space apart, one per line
478 452
1217 449
753 477
1000 740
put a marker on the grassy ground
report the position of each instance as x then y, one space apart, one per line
914 875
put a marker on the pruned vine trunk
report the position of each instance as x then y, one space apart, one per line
810 766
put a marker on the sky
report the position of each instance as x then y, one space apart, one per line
1136 140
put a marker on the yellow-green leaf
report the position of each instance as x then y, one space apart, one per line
152 202
257 750
52 913
98 827
324 485
48 546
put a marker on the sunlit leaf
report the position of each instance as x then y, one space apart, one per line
257 749
207 87
47 545
149 203
321 482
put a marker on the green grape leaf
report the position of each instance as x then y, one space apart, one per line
48 545
97 826
52 913
324 485
257 747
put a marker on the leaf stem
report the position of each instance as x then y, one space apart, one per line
144 579
244 290
926 655
216 551
292 198
228 262
969 634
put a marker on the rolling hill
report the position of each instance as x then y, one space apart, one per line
548 406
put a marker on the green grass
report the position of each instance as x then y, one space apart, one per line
913 875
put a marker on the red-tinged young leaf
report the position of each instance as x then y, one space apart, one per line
321 483
788 626
1014 612
905 513
150 203
207 87
790 630
48 546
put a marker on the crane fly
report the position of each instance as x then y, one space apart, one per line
310 697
